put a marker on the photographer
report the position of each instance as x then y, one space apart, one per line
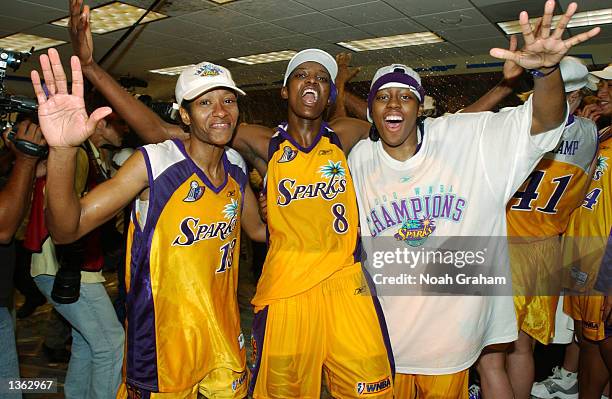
14 199
97 336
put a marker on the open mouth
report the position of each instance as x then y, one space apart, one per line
310 96
393 122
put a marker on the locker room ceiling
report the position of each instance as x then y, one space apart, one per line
198 30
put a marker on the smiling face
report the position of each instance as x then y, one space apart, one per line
394 112
307 90
604 94
212 117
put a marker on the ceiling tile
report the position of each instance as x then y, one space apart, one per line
33 12
482 46
437 51
393 27
295 42
314 22
14 25
142 34
471 33
328 4
177 27
585 5
261 31
268 10
366 13
452 19
340 35
509 11
219 18
52 31
173 8
413 8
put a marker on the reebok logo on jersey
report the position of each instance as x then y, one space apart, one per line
370 388
195 192
289 155
324 152
405 179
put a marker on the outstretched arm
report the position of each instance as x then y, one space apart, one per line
541 54
15 196
65 125
512 72
252 142
149 127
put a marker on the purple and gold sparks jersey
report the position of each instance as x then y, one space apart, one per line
182 272
312 215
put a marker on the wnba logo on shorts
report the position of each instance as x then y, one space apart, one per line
239 381
370 388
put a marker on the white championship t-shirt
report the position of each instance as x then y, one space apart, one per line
474 163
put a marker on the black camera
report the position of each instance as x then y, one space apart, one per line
9 103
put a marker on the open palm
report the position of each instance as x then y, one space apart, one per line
62 116
543 49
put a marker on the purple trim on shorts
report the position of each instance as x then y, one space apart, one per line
258 332
199 171
381 320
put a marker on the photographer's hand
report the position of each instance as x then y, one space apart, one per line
27 131
80 33
62 116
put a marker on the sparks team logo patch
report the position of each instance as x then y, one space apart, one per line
195 192
600 167
288 155
414 232
239 381
371 388
208 70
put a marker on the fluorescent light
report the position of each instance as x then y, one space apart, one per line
23 42
265 57
115 16
176 70
586 18
222 1
377 43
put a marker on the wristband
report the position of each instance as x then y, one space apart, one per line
539 74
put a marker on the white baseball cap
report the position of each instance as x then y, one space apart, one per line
312 54
574 73
605 73
201 78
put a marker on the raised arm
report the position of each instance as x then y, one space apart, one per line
541 55
65 125
512 73
252 142
16 194
149 127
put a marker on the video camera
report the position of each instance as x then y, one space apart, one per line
17 104
9 103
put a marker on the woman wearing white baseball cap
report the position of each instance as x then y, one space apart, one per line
191 199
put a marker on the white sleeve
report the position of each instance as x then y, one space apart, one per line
234 157
508 150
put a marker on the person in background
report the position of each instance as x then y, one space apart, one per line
14 201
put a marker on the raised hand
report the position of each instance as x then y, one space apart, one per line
511 70
345 74
80 33
543 49
62 116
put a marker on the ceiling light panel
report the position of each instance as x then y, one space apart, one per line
265 57
23 42
586 18
115 16
176 70
377 43
222 1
